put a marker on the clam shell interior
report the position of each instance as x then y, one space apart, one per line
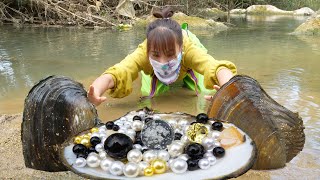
237 160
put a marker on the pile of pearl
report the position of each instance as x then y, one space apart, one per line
185 153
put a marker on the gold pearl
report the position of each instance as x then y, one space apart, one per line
148 171
159 166
93 130
196 132
85 142
77 140
86 136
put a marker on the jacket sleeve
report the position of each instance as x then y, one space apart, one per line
205 64
125 72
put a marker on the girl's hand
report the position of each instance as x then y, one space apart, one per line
94 97
209 97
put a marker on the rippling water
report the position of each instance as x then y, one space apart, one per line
286 66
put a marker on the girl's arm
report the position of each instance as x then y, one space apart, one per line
98 87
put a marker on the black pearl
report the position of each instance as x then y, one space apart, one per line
217 126
118 145
83 155
195 150
79 148
92 149
193 164
193 122
115 127
95 140
202 118
109 125
148 119
136 118
177 136
218 152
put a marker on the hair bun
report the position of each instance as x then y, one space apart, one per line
164 13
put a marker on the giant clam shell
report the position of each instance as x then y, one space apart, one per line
55 109
277 132
237 160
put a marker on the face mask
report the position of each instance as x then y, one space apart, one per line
168 72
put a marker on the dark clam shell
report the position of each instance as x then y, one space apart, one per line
55 110
277 131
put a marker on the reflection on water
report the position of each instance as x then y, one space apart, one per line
286 66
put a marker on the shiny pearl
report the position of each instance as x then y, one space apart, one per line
77 140
149 155
215 134
184 157
142 114
184 140
131 169
164 155
142 165
123 131
123 119
208 143
103 155
185 129
204 163
182 123
86 136
102 135
170 161
156 117
137 125
173 123
94 130
148 171
212 160
127 124
131 132
106 164
133 138
159 166
116 168
86 142
102 130
80 162
217 144
93 161
137 146
95 134
179 166
103 140
175 149
99 147
208 154
178 131
134 155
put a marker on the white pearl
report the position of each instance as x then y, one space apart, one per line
164 155
103 155
102 130
179 166
185 129
170 161
184 157
207 154
217 144
175 149
102 135
208 143
123 119
184 140
99 147
156 117
215 134
95 134
204 163
127 124
80 162
137 146
208 126
142 114
93 154
103 140
137 125
173 123
149 155
123 131
133 138
212 160
131 132
134 155
106 164
102 127
178 131
131 169
182 123
142 166
116 168
119 123
93 161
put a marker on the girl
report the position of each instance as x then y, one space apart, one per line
168 54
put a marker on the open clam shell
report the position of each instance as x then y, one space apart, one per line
55 109
237 160
277 131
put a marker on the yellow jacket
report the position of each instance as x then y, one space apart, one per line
193 57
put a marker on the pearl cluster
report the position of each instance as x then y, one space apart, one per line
195 146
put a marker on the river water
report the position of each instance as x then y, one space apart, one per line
286 66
